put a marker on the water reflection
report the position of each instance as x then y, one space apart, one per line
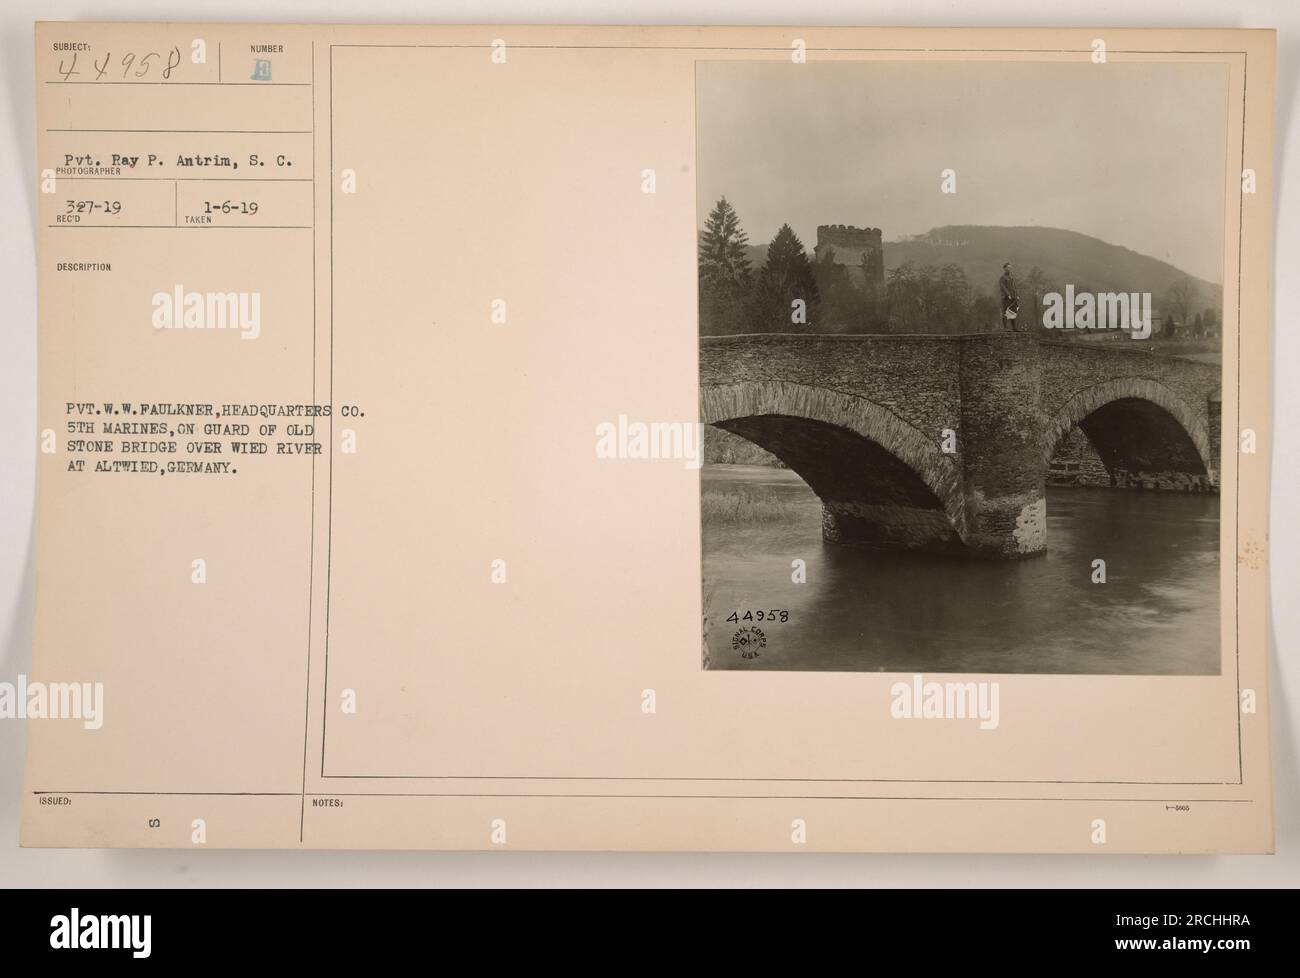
873 610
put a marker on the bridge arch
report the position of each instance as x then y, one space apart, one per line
783 417
1113 415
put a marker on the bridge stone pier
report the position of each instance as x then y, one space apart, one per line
942 443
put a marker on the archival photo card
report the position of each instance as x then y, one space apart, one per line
610 438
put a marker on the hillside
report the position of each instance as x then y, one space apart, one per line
1065 257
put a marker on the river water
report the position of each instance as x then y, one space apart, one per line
866 610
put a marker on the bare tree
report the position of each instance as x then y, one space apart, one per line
1180 297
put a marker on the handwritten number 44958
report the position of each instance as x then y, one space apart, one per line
142 65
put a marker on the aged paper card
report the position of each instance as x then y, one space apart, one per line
618 438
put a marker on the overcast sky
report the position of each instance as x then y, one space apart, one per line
1134 154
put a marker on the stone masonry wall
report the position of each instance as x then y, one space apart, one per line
851 245
826 404
1185 388
915 377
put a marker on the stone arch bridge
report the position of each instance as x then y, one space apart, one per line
943 443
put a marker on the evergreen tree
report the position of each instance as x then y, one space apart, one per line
786 276
724 271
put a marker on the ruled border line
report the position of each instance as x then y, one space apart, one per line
1237 527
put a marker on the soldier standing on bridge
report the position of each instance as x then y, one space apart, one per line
1010 299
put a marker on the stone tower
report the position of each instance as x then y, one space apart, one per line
859 249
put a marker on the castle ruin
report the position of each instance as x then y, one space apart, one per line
858 249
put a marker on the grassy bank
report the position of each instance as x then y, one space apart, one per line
742 506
